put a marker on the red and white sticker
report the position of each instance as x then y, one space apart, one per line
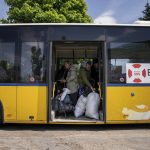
138 72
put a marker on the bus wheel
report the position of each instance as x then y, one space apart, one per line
1 113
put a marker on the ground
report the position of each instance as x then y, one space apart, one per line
66 137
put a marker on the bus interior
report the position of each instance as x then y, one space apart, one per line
76 53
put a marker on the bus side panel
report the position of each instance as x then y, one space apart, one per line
128 104
42 104
31 103
8 98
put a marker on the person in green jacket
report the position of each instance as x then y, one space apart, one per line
85 75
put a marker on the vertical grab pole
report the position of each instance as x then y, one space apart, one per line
50 81
105 78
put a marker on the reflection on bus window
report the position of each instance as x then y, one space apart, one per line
32 62
122 53
7 56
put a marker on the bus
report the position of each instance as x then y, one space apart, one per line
31 54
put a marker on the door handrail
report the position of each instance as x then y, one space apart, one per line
53 90
99 89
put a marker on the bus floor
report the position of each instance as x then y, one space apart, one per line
74 119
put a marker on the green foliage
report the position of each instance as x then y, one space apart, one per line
33 11
146 13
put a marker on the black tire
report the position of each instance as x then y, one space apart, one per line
1 113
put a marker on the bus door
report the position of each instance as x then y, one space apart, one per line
76 53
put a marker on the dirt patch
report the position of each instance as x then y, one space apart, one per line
60 137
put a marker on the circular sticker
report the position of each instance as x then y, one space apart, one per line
32 79
121 79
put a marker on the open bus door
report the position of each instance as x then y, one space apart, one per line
75 52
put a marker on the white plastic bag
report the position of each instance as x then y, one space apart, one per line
65 92
93 101
80 106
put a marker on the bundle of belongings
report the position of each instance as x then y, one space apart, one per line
88 104
63 104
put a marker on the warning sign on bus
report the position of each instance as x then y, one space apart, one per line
138 72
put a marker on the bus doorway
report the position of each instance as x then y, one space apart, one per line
76 54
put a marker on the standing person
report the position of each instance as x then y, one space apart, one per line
95 71
85 76
72 82
37 62
61 76
62 73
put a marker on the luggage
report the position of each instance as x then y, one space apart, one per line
63 106
92 106
84 91
65 92
80 106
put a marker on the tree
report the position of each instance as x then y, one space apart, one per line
146 12
33 11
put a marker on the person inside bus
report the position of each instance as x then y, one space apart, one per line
72 82
84 77
95 71
61 76
62 72
36 61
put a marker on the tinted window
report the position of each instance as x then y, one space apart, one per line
122 53
76 33
32 62
7 61
127 34
32 33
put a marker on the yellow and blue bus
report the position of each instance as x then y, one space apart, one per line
31 54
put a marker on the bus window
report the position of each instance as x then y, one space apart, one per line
122 53
32 62
7 60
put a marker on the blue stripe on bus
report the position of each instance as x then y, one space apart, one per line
23 84
128 84
44 84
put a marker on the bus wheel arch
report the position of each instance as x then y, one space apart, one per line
1 113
